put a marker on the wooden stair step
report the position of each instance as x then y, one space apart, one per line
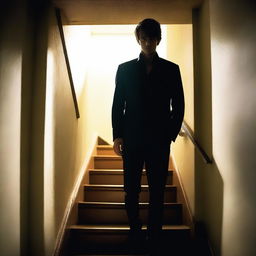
115 213
115 193
107 239
115 176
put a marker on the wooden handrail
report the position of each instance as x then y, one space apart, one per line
58 15
185 129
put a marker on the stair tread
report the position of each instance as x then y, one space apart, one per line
105 170
124 227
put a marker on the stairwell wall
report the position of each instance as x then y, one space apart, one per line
225 124
16 56
64 150
233 41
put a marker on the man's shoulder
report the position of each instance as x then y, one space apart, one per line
128 63
168 63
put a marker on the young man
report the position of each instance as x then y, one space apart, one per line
147 113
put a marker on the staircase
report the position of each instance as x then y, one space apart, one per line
102 227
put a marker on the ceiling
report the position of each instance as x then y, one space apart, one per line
82 12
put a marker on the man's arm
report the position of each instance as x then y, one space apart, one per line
178 105
118 107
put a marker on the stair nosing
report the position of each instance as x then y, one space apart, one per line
119 187
117 171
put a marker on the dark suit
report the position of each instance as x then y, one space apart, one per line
147 113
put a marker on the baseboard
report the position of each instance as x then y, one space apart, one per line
70 216
182 197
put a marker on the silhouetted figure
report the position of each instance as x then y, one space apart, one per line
147 113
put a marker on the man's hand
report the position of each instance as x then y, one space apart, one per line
118 146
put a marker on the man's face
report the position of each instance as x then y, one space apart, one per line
148 45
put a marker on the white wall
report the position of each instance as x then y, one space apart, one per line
233 41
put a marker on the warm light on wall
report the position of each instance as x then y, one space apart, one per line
78 45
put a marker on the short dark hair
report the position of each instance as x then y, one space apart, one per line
150 27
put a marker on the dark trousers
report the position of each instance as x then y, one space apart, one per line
155 156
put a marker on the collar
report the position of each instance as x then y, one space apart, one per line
141 58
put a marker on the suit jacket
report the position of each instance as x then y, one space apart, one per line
147 106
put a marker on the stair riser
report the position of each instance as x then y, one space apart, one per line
106 243
108 164
118 196
117 179
106 151
173 215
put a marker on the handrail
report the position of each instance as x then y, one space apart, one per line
186 130
58 15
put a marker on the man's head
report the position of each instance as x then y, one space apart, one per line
148 35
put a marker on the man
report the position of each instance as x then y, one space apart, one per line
147 113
